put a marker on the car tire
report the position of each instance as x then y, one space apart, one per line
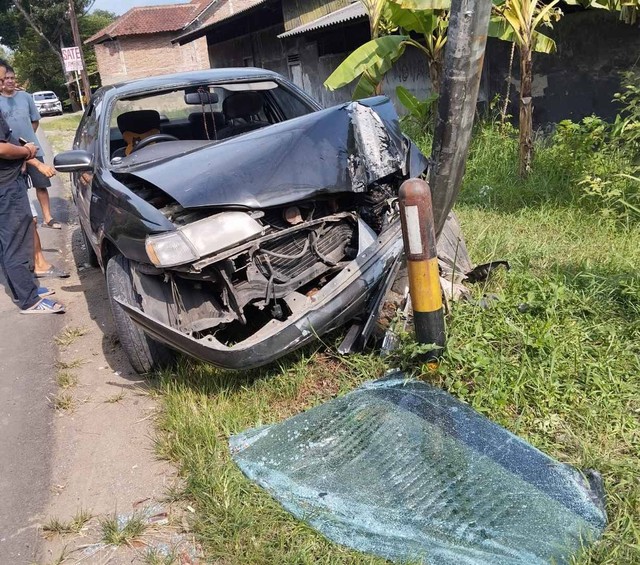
145 354
92 258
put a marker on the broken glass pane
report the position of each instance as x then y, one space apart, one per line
405 471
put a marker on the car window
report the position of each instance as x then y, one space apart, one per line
171 105
290 105
40 96
88 128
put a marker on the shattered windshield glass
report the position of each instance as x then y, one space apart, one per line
405 471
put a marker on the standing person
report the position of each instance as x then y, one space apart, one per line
23 118
16 233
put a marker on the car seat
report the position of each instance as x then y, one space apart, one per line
241 111
136 126
206 123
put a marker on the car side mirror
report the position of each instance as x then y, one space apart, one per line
202 97
74 161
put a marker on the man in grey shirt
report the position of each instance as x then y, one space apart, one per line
23 118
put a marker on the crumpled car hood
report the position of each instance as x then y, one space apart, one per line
340 149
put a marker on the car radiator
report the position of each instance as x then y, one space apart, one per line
291 256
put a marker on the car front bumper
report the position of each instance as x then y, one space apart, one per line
50 110
340 300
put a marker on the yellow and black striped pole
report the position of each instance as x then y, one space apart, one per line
418 233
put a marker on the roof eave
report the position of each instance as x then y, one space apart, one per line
203 30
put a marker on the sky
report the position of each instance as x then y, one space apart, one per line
121 6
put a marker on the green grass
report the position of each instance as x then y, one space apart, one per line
555 359
62 123
60 131
121 530
73 526
69 335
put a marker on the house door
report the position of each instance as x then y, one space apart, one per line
295 70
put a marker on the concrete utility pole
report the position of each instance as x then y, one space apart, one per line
463 58
76 39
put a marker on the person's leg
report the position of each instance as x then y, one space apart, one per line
16 239
43 198
41 183
40 264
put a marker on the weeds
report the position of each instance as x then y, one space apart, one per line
155 556
120 530
65 379
64 401
69 335
116 397
65 366
56 526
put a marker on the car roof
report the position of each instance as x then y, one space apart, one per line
192 77
44 92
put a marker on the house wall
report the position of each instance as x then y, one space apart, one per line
299 12
580 79
317 61
140 56
259 49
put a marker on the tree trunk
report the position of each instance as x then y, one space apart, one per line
526 111
435 73
58 54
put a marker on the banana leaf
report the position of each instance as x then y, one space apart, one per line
370 62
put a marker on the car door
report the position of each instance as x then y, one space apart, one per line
87 139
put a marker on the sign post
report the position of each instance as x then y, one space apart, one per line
72 64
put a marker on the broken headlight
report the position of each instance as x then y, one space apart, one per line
199 239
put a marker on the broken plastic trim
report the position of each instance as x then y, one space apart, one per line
406 471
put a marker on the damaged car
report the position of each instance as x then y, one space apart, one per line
234 218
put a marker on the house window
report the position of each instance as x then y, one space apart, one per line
295 70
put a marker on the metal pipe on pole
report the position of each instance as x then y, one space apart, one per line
80 97
76 39
463 58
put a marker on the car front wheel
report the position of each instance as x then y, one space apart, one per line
145 354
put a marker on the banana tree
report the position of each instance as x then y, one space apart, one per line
518 21
429 19
628 9
371 61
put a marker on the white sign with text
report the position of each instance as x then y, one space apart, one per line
72 59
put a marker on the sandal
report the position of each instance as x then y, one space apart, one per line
53 224
43 292
45 306
52 273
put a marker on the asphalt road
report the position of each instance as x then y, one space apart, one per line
27 386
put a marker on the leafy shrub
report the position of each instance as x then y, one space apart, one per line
602 165
627 125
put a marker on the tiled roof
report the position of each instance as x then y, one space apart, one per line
351 12
229 8
222 10
151 19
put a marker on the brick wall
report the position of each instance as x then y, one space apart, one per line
141 56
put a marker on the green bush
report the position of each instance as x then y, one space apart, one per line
591 164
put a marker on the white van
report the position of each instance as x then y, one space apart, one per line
48 103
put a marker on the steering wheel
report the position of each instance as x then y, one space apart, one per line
155 138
